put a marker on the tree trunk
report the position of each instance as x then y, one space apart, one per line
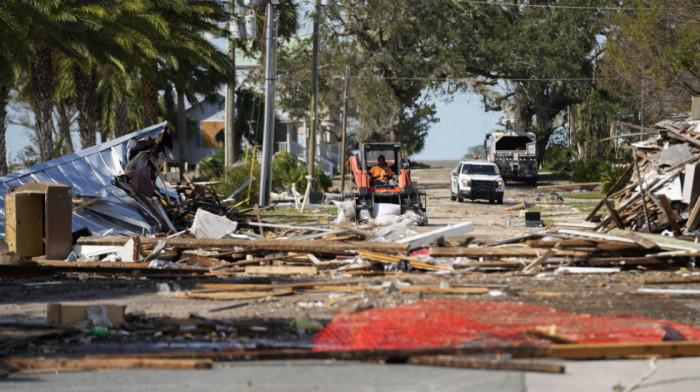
42 88
120 115
181 130
150 100
64 126
87 102
4 98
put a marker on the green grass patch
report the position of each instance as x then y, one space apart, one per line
583 207
292 216
583 195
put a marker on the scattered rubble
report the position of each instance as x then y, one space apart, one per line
130 224
659 191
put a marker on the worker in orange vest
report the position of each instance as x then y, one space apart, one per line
381 172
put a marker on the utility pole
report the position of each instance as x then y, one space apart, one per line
314 97
270 78
229 133
343 143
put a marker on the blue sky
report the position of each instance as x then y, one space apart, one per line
463 124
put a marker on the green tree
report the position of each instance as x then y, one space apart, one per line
653 52
529 60
395 53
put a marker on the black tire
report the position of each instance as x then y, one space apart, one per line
492 201
500 200
452 196
459 197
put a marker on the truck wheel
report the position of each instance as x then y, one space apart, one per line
459 197
452 196
492 201
500 200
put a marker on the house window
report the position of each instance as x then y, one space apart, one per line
213 134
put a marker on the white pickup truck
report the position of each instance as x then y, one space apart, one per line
477 179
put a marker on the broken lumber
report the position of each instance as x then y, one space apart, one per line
480 363
54 365
280 270
301 246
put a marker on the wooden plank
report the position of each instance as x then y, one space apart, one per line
281 270
479 363
694 218
644 242
53 365
539 260
315 247
488 252
682 135
604 350
600 350
225 296
663 241
641 188
639 127
613 214
413 261
565 243
665 206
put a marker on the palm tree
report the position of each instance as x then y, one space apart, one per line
15 17
187 61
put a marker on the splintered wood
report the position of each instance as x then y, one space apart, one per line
659 191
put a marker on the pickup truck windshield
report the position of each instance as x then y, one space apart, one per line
480 169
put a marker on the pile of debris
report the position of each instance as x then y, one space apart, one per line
659 191
117 188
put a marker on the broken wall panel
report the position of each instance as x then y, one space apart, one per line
89 173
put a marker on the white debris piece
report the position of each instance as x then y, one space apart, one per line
208 225
346 213
431 236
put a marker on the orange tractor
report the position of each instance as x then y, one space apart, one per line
382 175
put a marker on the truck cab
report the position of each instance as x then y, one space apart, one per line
477 179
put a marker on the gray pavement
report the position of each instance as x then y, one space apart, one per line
678 375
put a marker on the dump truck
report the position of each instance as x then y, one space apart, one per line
371 190
515 154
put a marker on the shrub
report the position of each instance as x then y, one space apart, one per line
611 176
590 171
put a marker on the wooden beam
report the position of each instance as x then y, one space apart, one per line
315 247
694 218
665 206
663 241
480 363
281 270
682 135
604 350
53 365
539 260
496 252
613 214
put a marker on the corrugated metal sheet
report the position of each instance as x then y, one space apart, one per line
89 173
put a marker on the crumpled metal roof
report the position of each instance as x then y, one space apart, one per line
90 172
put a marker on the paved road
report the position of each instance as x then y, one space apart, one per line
678 375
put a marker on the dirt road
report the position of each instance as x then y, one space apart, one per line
491 221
